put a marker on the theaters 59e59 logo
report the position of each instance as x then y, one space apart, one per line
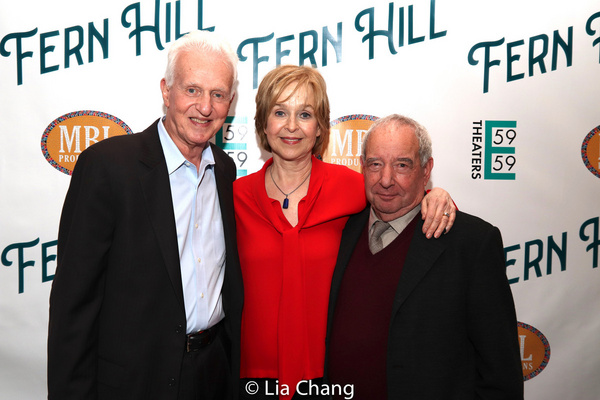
231 138
493 150
67 136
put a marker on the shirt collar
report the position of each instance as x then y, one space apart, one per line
399 223
172 154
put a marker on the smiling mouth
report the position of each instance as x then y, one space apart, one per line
291 140
200 121
387 196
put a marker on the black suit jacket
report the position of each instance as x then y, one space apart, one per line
453 328
117 317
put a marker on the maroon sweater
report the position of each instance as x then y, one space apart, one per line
359 334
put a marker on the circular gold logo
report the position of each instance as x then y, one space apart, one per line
590 151
67 136
535 350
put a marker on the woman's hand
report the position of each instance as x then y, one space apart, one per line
438 211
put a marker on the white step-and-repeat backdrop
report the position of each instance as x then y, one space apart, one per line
510 91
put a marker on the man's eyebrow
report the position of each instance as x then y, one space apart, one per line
405 160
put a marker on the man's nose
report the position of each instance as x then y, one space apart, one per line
387 176
204 104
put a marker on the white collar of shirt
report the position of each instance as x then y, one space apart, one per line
396 226
174 157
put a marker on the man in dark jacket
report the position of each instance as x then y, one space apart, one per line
147 297
411 318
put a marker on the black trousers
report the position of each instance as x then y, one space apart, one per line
205 373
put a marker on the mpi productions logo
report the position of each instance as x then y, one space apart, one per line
590 151
67 136
345 140
493 150
535 350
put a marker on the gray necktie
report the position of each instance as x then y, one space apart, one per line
375 242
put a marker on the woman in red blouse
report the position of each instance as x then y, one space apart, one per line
290 217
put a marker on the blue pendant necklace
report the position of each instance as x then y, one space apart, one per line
286 202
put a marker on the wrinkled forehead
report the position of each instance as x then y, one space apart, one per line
195 60
392 139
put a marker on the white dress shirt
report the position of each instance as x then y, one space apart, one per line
200 236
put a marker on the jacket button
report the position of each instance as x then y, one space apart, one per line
179 329
171 382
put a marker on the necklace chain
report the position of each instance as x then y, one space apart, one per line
286 201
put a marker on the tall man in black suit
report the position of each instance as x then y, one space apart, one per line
411 318
147 297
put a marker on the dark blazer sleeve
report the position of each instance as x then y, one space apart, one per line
492 322
85 235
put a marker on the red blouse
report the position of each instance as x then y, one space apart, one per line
287 270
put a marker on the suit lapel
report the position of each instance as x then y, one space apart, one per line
154 180
421 256
225 191
350 235
233 289
352 232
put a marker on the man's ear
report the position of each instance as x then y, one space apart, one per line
428 167
164 90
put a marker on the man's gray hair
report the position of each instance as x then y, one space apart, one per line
202 41
425 149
